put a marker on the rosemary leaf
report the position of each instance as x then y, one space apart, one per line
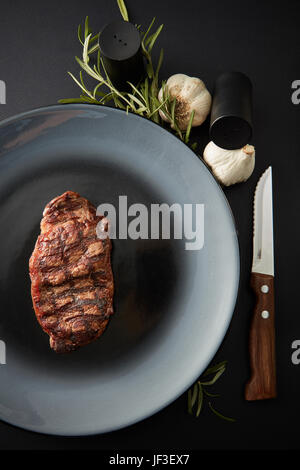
80 85
148 58
155 36
109 84
119 104
136 91
88 69
158 108
213 369
85 55
163 87
232 420
194 394
200 399
72 100
102 94
188 131
148 30
152 37
155 118
146 91
149 71
81 79
107 97
157 102
94 45
87 99
86 27
94 38
151 108
136 100
160 60
141 110
79 33
96 91
148 39
215 378
212 395
190 408
93 49
173 106
123 10
98 62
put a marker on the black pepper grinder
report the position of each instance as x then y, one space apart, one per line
231 113
120 48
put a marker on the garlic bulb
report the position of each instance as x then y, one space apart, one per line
230 166
191 94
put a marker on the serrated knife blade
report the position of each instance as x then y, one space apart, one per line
262 383
263 251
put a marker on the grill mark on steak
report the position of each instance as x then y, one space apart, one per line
70 270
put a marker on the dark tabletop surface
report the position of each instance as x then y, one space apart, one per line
38 42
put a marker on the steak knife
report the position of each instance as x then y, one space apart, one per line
262 383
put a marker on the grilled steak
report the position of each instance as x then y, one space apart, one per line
71 276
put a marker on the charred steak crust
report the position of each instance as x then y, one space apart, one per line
71 276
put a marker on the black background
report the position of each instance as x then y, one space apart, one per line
38 42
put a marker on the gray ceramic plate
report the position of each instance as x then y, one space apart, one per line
172 306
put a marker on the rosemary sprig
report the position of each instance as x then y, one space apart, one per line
198 391
142 98
123 9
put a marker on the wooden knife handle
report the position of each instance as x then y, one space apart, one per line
262 383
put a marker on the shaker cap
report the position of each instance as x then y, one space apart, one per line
120 49
231 114
119 40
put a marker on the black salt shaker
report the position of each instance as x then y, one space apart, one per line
231 113
120 48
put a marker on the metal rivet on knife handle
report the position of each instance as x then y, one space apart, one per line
264 289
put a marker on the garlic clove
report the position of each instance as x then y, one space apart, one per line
176 82
230 166
201 104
